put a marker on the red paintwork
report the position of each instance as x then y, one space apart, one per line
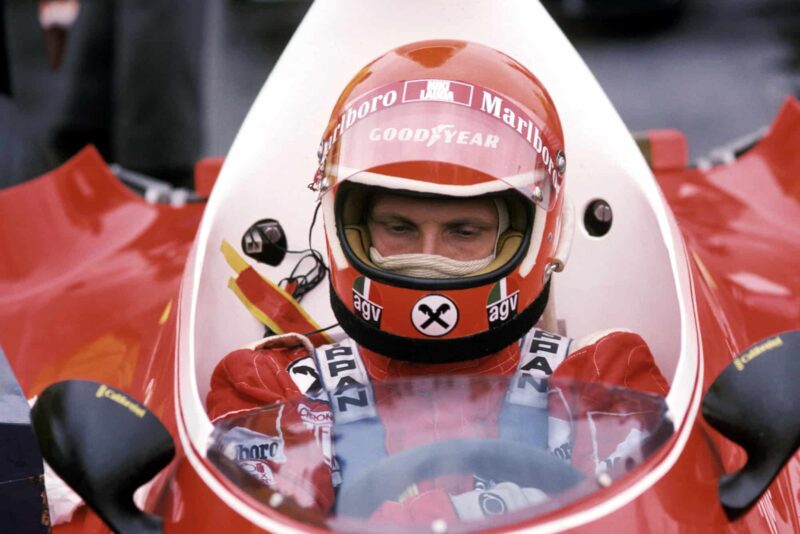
76 235
88 270
668 150
206 172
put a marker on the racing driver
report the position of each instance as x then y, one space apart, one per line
441 182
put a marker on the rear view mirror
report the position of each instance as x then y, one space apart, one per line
104 445
753 402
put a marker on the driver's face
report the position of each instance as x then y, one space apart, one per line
460 229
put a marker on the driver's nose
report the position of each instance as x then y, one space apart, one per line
431 241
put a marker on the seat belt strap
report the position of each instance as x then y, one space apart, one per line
524 414
359 437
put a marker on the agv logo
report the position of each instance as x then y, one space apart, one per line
501 306
366 301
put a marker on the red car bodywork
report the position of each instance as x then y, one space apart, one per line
90 274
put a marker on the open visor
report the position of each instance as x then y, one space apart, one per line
442 137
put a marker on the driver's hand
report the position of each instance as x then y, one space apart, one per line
497 500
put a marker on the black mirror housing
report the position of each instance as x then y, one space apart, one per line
753 402
104 445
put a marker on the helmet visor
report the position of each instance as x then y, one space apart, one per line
442 137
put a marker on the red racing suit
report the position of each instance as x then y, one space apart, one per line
274 444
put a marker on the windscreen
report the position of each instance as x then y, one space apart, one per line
444 454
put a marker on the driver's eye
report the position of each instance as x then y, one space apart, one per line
467 231
398 227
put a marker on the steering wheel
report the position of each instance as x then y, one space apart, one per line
493 458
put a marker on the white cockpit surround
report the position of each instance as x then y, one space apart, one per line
636 277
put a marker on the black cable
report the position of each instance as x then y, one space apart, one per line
307 280
320 330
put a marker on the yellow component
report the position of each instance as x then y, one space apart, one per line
165 313
257 313
232 257
239 264
121 399
704 271
757 351
299 308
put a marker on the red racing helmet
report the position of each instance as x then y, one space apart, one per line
443 119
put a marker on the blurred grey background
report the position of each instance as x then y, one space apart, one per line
715 69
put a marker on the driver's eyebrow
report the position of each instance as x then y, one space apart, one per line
471 221
389 217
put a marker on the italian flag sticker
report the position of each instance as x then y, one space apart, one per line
501 305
